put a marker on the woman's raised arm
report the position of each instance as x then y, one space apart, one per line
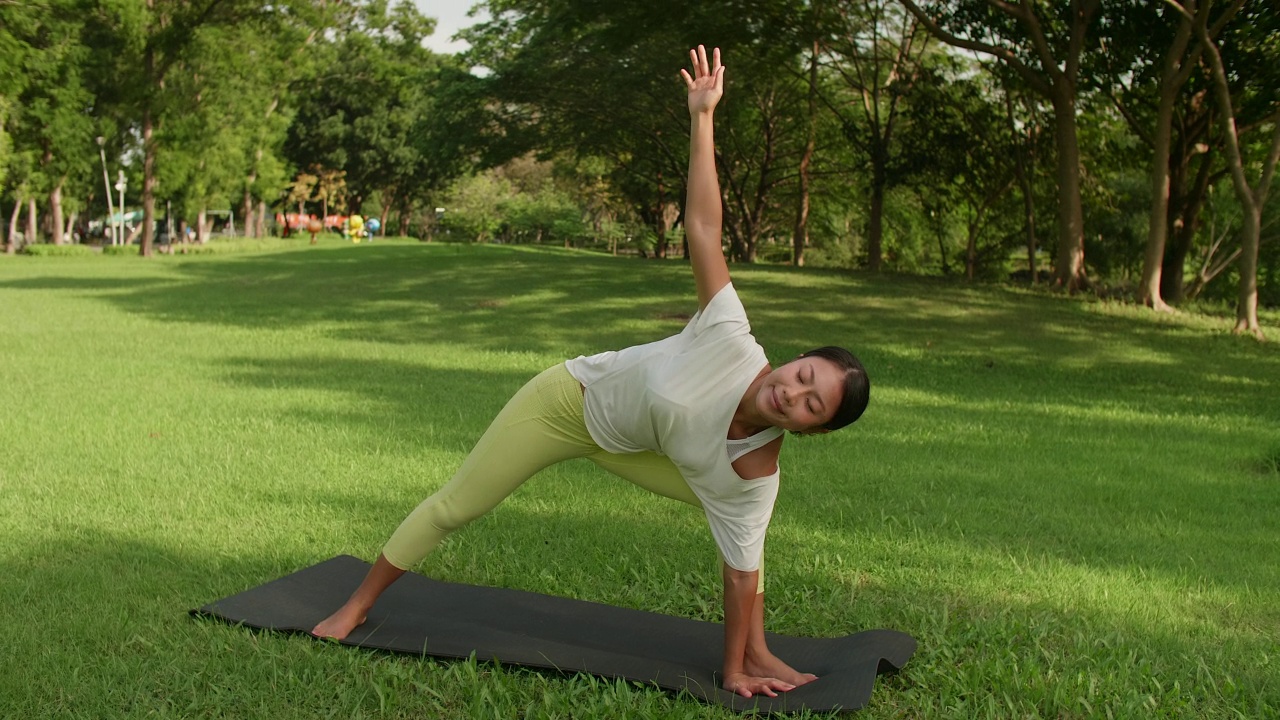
702 212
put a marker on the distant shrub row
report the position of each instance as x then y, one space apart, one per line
57 250
213 247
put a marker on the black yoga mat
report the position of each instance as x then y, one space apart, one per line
428 617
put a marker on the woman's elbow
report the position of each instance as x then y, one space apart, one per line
702 231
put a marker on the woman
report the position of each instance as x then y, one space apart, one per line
699 417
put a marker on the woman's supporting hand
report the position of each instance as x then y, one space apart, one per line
706 86
747 685
749 667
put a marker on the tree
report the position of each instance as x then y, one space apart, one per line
6 143
760 147
1150 66
592 79
800 235
1025 126
877 50
48 116
958 152
1043 43
142 41
1252 196
368 108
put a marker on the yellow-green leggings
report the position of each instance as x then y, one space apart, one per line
540 426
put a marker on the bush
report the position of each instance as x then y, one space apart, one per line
43 250
777 252
216 246
223 246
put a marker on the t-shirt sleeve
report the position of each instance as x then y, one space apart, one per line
739 531
723 314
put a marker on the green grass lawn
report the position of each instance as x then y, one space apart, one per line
1073 506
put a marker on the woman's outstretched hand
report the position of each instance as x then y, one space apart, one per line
707 83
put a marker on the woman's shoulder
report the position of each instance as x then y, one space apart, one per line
761 462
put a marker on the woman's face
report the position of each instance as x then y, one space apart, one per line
802 395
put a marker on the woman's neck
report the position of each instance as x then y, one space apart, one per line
747 420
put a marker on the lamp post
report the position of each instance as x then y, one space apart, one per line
120 185
106 182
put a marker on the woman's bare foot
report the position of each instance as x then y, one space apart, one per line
352 613
341 623
766 664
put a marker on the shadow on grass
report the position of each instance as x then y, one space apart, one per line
953 341
410 406
83 284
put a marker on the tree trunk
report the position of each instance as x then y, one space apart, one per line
1173 76
148 179
202 229
55 212
382 220
260 222
1247 298
246 212
800 238
1069 273
11 240
1158 224
70 233
33 235
1173 270
1029 218
660 250
971 249
875 222
1184 213
1025 185
1251 200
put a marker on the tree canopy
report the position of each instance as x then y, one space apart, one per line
904 135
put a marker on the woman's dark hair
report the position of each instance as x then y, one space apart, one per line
857 387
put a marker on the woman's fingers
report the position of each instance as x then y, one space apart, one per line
703 68
769 687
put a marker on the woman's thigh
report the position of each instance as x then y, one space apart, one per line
540 425
649 470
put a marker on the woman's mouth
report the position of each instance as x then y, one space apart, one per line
773 397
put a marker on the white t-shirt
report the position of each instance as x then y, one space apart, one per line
677 397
